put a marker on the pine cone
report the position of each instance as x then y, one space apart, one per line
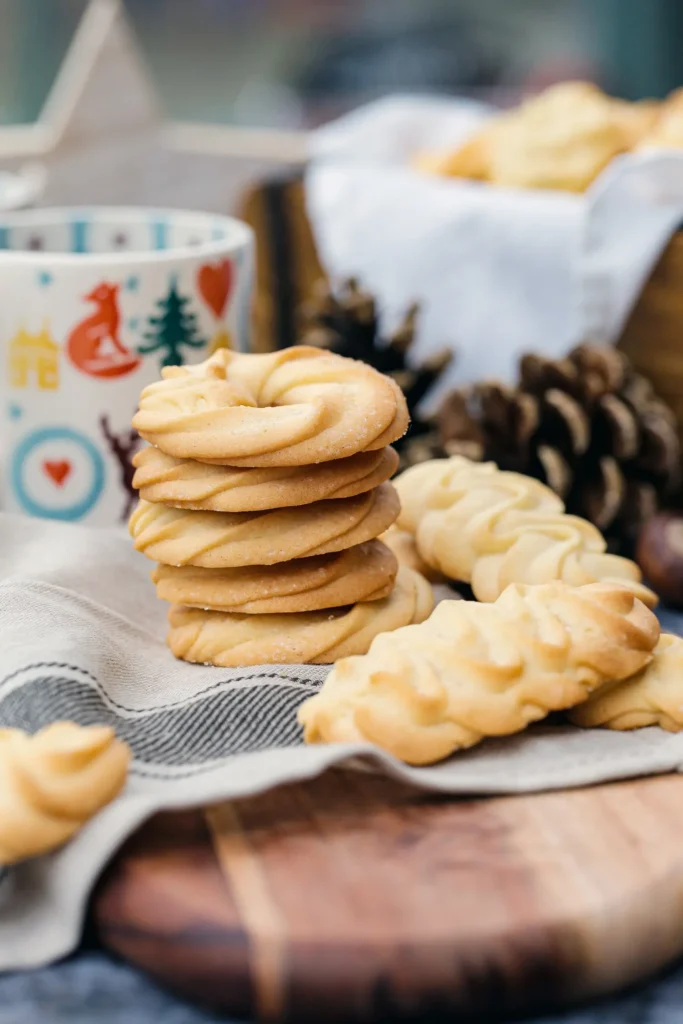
587 425
346 322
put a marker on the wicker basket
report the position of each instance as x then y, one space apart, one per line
653 335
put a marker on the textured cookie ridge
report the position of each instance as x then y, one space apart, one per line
216 540
215 638
185 483
476 523
53 782
363 573
654 696
475 670
296 407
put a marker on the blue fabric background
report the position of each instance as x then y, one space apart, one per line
94 989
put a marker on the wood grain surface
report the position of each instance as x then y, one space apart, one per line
352 898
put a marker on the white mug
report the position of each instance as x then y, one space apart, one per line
93 303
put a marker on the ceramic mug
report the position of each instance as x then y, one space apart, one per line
93 304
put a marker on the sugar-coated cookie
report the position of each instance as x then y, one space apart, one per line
654 696
53 782
475 670
215 638
218 540
490 528
362 573
295 407
184 483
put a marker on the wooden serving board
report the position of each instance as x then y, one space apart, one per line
352 898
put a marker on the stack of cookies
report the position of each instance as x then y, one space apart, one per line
262 493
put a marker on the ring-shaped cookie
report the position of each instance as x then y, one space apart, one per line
362 573
295 407
217 540
214 638
185 483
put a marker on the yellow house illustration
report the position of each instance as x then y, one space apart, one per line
34 358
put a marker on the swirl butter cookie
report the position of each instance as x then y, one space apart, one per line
490 528
295 407
362 573
53 782
185 483
666 131
652 697
475 670
560 139
215 638
217 540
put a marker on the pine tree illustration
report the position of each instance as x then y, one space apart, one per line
172 329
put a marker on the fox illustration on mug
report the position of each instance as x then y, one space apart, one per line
94 345
104 299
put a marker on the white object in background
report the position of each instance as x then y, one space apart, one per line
102 55
93 303
498 271
23 189
393 129
104 139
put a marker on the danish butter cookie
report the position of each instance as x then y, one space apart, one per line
470 160
53 782
215 638
637 120
561 139
362 573
475 670
490 528
295 407
218 540
652 697
667 130
184 483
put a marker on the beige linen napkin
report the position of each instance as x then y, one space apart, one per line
81 637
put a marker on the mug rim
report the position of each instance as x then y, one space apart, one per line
238 235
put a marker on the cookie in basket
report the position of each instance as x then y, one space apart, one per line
561 139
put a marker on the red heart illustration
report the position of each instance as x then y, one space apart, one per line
57 471
215 281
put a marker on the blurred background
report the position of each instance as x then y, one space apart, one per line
293 64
